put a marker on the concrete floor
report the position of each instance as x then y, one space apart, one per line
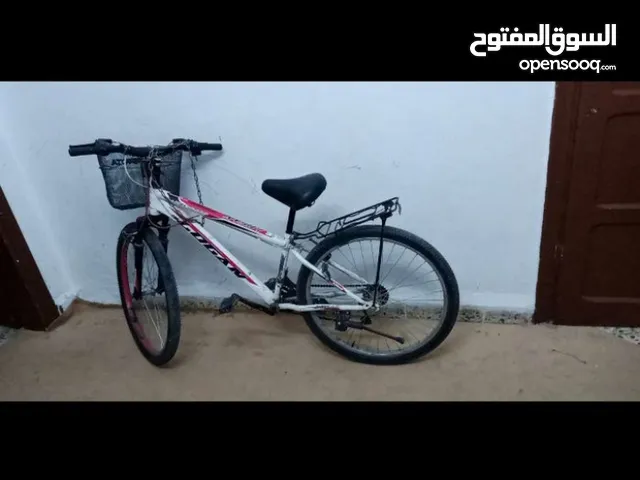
257 357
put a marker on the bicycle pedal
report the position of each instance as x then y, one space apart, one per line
228 303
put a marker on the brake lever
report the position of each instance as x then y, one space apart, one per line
190 144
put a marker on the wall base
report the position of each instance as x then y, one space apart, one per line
65 301
629 334
467 314
5 334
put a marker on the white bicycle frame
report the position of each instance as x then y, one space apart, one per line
181 210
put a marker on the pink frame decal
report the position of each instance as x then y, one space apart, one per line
183 210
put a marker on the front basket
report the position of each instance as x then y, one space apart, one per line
126 183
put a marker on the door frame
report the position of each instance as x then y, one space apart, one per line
561 154
41 310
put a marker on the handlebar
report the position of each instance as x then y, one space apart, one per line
105 146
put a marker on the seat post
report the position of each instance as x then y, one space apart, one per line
290 220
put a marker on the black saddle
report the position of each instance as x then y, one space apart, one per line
296 193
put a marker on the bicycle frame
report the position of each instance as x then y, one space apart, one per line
183 210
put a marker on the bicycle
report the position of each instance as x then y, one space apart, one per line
149 177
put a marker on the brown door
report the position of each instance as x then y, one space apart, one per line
25 301
590 253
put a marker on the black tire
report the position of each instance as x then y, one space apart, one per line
165 273
410 240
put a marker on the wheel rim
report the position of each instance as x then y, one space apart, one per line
400 316
147 314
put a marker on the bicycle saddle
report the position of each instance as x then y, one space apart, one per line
296 193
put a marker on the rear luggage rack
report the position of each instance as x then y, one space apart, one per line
381 210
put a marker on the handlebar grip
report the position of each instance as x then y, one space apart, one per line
210 146
80 150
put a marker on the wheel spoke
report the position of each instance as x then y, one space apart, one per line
154 319
413 308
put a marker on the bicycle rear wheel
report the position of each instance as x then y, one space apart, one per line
399 325
150 300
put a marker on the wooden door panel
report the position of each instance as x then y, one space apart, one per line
608 267
618 182
25 301
9 298
598 282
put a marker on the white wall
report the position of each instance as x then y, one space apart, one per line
35 223
468 161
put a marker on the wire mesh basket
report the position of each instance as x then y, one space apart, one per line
127 189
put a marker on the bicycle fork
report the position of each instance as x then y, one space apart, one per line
161 222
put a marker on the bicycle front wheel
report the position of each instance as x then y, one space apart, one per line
417 295
149 294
